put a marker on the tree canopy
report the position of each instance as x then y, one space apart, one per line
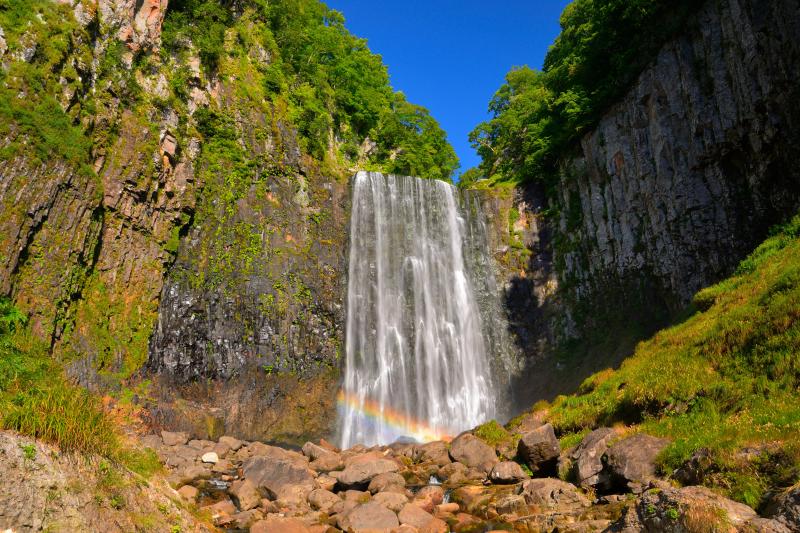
537 115
339 91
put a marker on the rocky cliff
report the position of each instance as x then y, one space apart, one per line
173 182
86 237
678 181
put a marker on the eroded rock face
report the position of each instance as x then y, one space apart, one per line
138 24
676 184
263 322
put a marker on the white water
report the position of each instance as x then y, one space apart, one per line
417 362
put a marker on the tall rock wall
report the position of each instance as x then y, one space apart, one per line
85 244
676 184
195 263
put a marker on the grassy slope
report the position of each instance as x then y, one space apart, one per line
725 379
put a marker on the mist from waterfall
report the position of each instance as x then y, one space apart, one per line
417 348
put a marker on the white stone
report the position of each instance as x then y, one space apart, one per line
210 457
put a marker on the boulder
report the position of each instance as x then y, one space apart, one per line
275 524
368 516
473 452
588 457
189 493
222 466
199 445
188 475
540 450
694 470
314 452
280 478
222 450
358 496
553 495
174 439
449 507
631 461
433 452
221 508
210 457
359 474
154 442
242 520
327 463
383 481
688 509
527 422
391 500
343 507
414 515
323 500
511 504
230 442
246 494
785 508
259 449
764 525
507 472
452 472
326 482
434 526
429 497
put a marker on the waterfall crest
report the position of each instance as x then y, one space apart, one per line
417 355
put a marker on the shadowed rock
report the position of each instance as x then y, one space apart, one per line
540 450
588 457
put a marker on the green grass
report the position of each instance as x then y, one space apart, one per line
27 89
36 400
492 433
724 379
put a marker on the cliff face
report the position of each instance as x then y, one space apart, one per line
174 199
224 245
251 315
84 250
679 180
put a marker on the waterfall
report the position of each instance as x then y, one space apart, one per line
417 348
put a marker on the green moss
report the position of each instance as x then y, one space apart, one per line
492 433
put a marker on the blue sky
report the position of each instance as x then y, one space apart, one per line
452 55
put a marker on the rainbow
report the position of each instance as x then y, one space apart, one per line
400 423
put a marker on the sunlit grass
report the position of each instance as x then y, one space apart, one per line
37 400
724 379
